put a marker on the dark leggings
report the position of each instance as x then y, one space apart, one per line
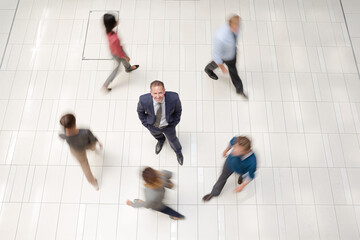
171 212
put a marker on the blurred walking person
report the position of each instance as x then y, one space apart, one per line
116 49
79 141
155 184
224 52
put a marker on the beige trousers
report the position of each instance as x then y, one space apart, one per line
84 163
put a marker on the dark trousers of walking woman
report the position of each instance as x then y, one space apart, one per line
232 71
171 212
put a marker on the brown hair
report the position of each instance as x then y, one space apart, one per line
157 83
244 141
150 176
68 120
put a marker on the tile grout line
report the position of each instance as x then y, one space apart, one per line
8 38
350 40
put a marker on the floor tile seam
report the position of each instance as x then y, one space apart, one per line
351 43
28 168
268 126
10 31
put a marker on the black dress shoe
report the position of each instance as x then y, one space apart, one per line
240 179
211 74
132 69
180 158
207 197
238 91
158 147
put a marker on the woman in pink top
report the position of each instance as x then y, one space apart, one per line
116 49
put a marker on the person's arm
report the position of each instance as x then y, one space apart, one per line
137 203
94 139
217 54
226 150
247 179
142 114
231 143
177 112
167 175
243 184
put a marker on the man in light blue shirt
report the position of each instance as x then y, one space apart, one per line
225 52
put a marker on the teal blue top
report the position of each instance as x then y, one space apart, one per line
240 165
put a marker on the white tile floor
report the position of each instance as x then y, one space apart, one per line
297 64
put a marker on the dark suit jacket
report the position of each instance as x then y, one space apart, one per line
146 111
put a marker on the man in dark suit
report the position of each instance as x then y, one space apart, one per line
160 112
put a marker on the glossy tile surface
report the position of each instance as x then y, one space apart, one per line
299 64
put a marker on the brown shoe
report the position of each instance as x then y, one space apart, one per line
240 179
207 197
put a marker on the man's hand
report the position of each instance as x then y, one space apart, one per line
226 151
127 58
223 68
239 188
128 202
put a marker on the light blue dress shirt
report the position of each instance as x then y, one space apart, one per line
224 44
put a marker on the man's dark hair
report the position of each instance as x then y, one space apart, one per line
157 83
68 120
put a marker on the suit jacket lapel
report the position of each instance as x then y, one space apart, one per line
151 105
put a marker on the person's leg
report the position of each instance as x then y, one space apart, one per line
114 72
157 134
209 69
84 163
174 142
234 75
219 185
126 64
171 212
211 66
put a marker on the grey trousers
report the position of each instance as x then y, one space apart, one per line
220 183
114 72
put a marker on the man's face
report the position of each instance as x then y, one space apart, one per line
239 150
157 92
234 25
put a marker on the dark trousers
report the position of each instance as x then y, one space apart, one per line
220 183
170 133
171 212
232 71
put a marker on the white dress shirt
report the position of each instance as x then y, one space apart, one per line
163 122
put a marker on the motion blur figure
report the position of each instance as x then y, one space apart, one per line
116 49
79 141
155 184
224 52
241 160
